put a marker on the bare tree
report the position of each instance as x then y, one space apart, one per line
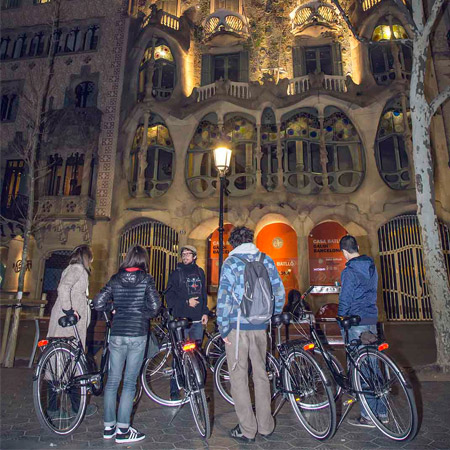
34 116
422 111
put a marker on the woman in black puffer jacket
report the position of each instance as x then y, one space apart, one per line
132 297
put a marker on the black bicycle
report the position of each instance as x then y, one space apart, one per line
177 359
373 378
295 376
63 378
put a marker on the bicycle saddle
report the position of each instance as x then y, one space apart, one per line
69 320
283 318
178 324
347 322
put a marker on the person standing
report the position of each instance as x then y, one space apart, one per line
73 292
132 297
358 297
186 296
248 339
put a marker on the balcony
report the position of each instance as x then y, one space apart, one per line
224 27
224 87
70 206
300 85
162 18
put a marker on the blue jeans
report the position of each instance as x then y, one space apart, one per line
122 349
193 333
375 405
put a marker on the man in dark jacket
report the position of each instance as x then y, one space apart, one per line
186 296
358 297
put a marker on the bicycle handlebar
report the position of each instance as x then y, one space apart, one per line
307 292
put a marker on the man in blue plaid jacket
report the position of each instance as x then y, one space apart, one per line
252 339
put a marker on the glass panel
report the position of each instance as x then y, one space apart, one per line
387 155
219 68
233 67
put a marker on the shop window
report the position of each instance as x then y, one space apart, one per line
37 45
55 176
269 158
73 174
391 153
85 95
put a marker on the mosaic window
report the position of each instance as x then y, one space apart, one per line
269 159
391 153
382 58
161 68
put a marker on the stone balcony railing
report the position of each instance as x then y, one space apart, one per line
69 206
163 18
231 88
299 85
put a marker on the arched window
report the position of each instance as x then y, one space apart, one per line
301 152
4 45
201 174
134 158
73 174
391 154
55 42
19 47
9 106
160 152
55 176
344 152
158 64
385 66
85 95
37 45
72 43
242 136
269 159
91 38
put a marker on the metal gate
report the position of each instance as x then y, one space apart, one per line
405 292
161 242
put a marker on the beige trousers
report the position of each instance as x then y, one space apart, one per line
253 345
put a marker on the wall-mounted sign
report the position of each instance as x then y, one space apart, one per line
326 261
213 255
18 265
279 241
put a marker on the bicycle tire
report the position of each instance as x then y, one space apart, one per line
214 349
395 415
156 375
196 394
57 368
222 377
310 394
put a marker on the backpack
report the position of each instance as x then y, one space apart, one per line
257 303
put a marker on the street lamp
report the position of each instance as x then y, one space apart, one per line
222 159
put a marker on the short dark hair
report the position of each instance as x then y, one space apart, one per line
240 235
82 255
348 243
137 256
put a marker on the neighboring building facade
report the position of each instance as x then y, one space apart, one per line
318 121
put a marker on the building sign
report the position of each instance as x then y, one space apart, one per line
279 241
326 261
18 265
213 255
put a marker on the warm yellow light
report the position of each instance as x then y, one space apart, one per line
222 159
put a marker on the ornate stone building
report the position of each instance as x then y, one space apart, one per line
312 100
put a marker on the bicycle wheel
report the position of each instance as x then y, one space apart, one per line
385 395
156 376
335 387
196 394
59 400
222 377
214 349
310 394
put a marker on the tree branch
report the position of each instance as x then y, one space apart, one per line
437 5
439 100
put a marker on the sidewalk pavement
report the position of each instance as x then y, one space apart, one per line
20 428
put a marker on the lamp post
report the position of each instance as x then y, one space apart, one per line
222 159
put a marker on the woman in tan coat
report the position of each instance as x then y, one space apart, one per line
73 295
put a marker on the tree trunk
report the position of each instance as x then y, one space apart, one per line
433 257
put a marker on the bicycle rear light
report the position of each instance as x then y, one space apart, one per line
383 346
189 346
309 346
43 343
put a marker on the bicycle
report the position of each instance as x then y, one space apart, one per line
179 361
63 378
295 376
374 379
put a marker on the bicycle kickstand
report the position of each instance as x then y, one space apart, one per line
177 411
279 406
349 404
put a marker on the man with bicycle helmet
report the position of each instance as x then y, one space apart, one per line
186 296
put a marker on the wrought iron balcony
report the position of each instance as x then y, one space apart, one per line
313 13
226 24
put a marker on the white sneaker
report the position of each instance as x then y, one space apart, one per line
132 435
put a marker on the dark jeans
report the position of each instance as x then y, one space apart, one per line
74 396
122 349
375 405
194 333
